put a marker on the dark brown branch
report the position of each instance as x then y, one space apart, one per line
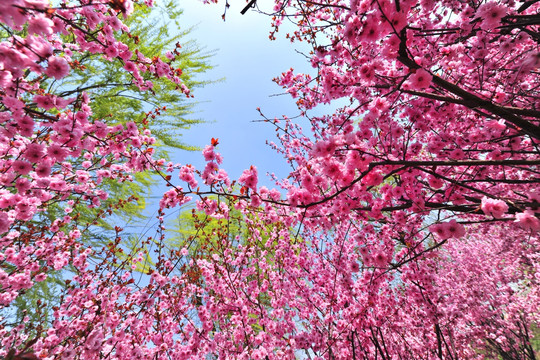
470 100
448 99
458 162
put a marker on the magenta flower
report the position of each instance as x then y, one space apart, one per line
57 152
494 207
22 167
4 222
58 67
528 221
420 80
34 152
451 229
40 25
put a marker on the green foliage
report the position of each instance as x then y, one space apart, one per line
112 92
204 235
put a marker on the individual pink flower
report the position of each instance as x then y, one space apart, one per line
208 153
186 174
34 152
46 102
372 30
58 67
333 169
398 20
324 148
419 80
61 103
130 66
4 222
454 229
111 51
380 259
439 230
490 15
374 178
25 209
494 207
451 229
57 152
208 174
528 221
367 72
26 125
22 167
40 25
435 182
249 178
22 184
43 169
457 154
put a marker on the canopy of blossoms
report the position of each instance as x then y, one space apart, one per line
407 228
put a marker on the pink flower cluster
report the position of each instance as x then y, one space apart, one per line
446 230
438 133
494 207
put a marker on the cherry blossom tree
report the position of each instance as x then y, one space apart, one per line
407 228
435 157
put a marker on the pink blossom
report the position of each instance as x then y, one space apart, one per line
40 25
448 229
372 30
57 152
380 259
46 102
494 207
26 125
374 178
454 229
22 167
324 148
490 14
419 80
58 67
249 178
399 20
435 182
4 222
130 66
43 169
12 103
34 152
208 153
22 184
528 220
111 51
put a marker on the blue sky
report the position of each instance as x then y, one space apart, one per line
247 60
